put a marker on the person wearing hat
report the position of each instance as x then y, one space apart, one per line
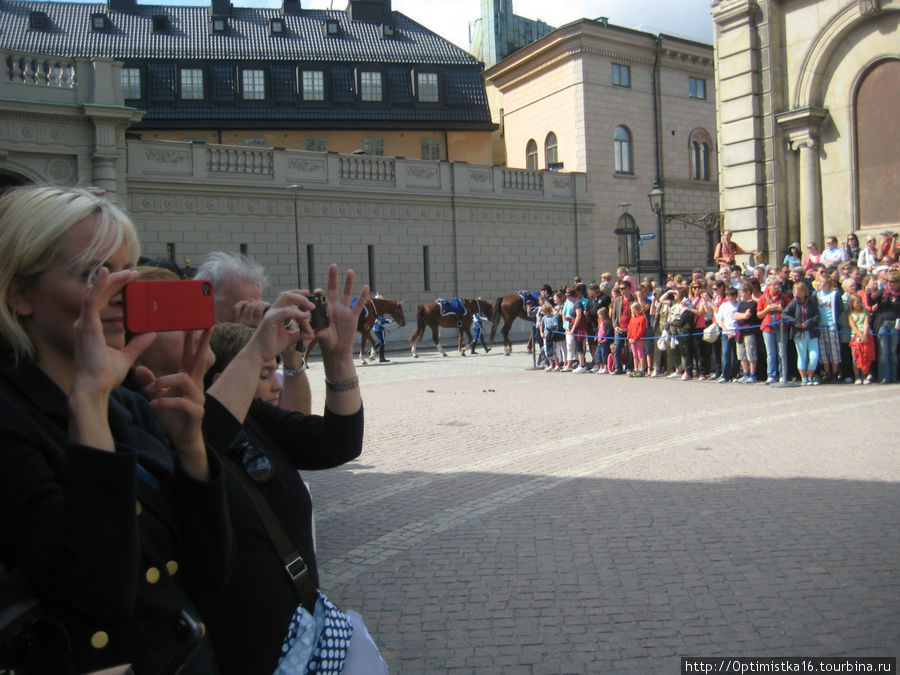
792 257
868 257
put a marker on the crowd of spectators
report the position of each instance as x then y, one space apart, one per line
823 317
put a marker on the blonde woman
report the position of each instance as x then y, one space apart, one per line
112 505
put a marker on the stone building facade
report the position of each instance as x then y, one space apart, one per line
413 229
808 94
630 109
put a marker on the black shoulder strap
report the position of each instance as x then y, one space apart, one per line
294 565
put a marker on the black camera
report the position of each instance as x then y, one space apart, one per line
318 318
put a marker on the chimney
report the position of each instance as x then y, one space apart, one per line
127 6
290 7
221 8
374 11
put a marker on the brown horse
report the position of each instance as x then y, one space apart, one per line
508 308
374 307
429 315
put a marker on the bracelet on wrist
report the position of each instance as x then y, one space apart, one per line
342 385
294 372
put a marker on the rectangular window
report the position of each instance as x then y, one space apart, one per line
315 144
131 83
313 85
621 75
371 256
427 87
255 142
191 84
253 85
370 86
697 87
431 148
373 146
426 268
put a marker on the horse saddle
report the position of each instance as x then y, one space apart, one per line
532 302
365 310
454 307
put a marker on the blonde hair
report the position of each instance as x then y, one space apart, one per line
33 223
153 273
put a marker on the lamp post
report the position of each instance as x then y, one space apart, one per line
296 190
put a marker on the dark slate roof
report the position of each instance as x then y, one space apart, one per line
131 39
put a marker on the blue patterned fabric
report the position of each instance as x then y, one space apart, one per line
452 307
315 643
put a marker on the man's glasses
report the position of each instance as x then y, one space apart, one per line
255 462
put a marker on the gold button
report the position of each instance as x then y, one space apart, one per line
138 508
202 629
99 639
152 575
172 567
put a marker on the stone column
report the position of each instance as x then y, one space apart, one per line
810 191
103 174
802 129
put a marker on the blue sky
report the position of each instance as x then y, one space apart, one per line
451 18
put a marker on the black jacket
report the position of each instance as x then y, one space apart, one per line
249 619
111 541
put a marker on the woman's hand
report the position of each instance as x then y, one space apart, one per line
178 402
99 368
337 338
282 326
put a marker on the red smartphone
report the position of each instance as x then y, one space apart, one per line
169 305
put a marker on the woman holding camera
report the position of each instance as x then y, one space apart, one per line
265 620
112 506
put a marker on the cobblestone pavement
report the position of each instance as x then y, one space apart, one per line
509 520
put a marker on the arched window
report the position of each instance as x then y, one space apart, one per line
627 233
531 155
551 155
878 145
622 142
700 145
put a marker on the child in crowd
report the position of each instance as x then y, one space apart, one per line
862 344
802 315
550 323
725 317
828 302
604 338
637 328
747 324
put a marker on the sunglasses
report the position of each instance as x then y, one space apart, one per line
254 461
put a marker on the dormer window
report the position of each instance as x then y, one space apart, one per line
427 87
387 31
369 86
218 24
99 22
276 26
160 23
38 21
332 27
